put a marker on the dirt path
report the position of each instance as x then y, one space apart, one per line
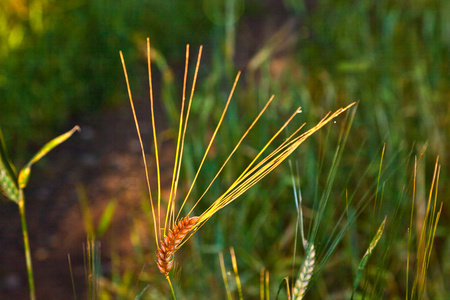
104 159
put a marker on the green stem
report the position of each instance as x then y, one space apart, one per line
171 287
26 244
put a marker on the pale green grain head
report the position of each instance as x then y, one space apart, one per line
8 177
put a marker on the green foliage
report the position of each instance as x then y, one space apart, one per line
59 58
11 185
93 230
92 268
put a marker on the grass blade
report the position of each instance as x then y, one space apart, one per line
236 273
24 174
224 276
367 255
261 284
427 236
71 277
142 292
106 218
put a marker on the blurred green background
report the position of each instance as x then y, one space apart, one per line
59 62
60 59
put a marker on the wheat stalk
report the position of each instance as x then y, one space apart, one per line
175 230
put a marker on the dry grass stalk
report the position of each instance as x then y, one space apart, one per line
170 240
224 276
170 243
305 275
427 235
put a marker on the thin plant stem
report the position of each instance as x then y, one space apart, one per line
261 284
236 273
71 277
171 287
26 244
224 276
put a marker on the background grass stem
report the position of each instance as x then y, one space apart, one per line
26 244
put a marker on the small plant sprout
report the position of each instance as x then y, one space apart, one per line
12 187
172 229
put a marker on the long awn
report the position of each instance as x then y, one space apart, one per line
174 229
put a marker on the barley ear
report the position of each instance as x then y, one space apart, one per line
170 242
305 274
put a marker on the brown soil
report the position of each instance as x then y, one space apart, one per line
103 159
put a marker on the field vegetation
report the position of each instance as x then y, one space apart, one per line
359 210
